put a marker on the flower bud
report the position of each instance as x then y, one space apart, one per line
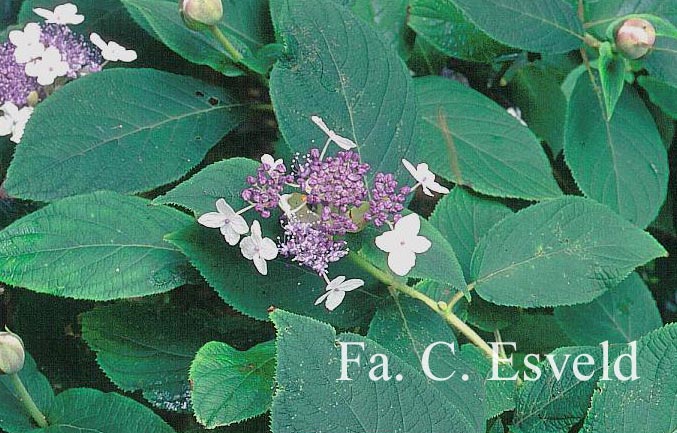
199 14
635 37
12 355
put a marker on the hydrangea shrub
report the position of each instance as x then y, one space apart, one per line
207 204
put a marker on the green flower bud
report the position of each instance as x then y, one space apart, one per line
635 37
12 355
200 14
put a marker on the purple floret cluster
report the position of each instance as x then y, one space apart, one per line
329 188
15 85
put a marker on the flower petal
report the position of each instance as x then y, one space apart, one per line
401 262
324 296
261 264
44 13
408 225
320 123
98 41
256 231
343 143
336 282
239 224
351 285
224 208
213 220
334 299
437 187
268 249
389 241
419 244
410 168
268 159
248 248
231 236
127 55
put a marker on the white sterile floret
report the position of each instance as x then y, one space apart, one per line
27 43
64 14
112 51
402 244
336 291
342 142
271 162
13 121
48 67
517 114
227 220
258 249
424 177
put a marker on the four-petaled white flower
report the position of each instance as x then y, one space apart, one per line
258 249
342 142
63 14
271 162
336 291
402 244
112 51
517 114
48 67
13 121
425 178
27 43
227 220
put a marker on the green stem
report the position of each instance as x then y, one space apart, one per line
26 399
225 42
438 307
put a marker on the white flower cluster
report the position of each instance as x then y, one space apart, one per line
13 120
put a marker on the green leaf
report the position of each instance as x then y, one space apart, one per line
443 25
621 315
82 409
490 317
140 349
425 59
407 327
647 405
225 179
666 218
599 14
661 60
536 91
463 218
286 286
310 398
560 252
231 386
500 394
531 25
389 17
551 405
126 131
612 77
98 246
535 332
245 23
13 416
454 121
622 162
337 67
662 94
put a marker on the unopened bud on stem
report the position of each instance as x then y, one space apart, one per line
201 14
635 37
12 355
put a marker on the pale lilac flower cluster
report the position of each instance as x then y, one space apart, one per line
40 58
321 199
387 202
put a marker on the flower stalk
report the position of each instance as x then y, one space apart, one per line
226 44
27 401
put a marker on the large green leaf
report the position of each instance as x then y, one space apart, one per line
229 385
560 252
662 94
407 327
621 315
552 405
90 410
126 131
98 246
533 25
463 218
600 14
150 348
337 67
443 25
661 60
647 405
310 398
469 139
13 416
536 91
389 18
621 162
245 23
